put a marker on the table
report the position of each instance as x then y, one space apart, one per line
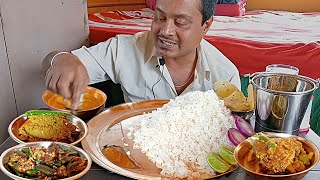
97 172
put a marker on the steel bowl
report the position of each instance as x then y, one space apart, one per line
56 102
246 115
5 157
14 126
243 148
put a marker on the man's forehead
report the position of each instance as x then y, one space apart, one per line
176 14
178 7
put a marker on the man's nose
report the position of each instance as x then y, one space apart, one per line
168 28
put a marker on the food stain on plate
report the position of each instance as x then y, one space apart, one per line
116 145
119 157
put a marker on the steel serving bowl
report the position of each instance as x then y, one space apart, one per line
246 115
243 148
14 126
93 104
5 157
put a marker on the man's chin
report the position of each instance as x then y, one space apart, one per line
167 53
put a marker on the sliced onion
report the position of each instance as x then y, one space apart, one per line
304 130
243 126
235 136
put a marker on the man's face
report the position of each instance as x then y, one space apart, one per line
177 27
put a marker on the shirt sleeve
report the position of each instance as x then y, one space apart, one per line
100 60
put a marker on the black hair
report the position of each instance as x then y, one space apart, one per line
207 9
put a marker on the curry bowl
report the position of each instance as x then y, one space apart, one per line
65 161
65 128
242 150
92 103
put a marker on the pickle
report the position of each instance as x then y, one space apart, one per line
217 163
227 154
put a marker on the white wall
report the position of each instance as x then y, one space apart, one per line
7 105
32 29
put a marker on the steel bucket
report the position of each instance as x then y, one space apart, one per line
281 101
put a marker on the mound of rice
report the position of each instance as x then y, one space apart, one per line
179 136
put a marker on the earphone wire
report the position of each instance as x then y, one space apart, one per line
159 79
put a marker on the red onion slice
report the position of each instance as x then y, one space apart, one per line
235 136
243 126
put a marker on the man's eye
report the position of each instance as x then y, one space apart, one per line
161 18
181 22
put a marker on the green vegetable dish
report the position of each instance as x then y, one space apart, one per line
45 163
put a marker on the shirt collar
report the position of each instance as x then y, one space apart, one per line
151 53
202 64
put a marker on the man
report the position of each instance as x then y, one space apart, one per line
170 60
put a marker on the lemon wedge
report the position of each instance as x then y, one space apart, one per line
217 163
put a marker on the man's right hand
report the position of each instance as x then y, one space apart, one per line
67 76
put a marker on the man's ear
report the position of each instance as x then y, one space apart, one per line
206 25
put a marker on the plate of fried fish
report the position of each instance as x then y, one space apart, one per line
45 125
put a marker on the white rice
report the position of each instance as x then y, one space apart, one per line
179 136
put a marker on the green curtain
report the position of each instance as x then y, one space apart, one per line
315 112
244 84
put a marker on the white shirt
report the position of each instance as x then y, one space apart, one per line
132 61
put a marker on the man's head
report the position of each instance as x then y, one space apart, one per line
179 26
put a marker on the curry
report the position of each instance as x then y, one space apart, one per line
119 157
277 155
88 102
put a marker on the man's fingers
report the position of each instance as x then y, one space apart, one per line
67 78
75 99
52 84
59 83
48 77
63 87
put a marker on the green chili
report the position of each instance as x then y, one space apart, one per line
32 171
45 112
26 151
58 164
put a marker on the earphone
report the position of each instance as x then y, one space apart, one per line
161 64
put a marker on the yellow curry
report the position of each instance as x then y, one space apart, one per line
277 156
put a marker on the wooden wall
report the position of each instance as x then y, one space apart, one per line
111 5
281 5
284 5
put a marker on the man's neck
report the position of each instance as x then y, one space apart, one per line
182 71
184 62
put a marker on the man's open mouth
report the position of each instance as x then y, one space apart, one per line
167 42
